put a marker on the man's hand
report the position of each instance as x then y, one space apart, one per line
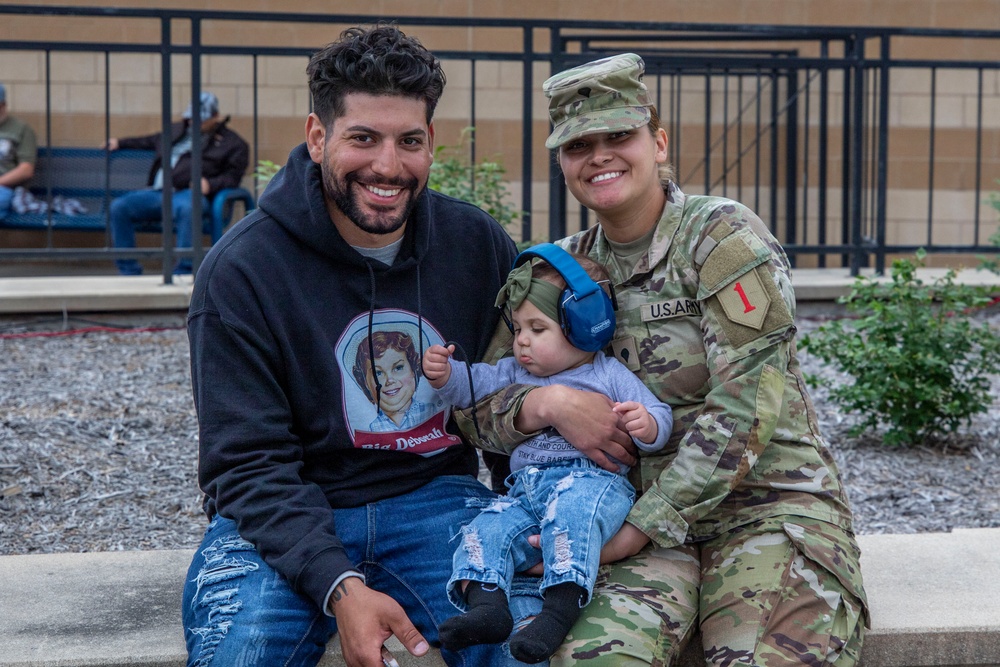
436 368
206 187
637 420
112 144
365 619
586 419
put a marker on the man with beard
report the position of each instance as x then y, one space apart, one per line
317 524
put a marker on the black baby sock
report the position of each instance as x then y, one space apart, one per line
540 638
488 620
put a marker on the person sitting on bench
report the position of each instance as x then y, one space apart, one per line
18 151
224 160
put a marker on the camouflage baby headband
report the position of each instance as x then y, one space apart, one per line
520 286
605 95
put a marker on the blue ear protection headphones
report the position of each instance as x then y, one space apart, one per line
586 312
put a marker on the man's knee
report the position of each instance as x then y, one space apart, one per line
212 598
119 208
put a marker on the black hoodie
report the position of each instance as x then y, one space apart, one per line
283 320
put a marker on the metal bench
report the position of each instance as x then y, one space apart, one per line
88 179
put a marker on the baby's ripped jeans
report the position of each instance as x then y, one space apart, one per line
575 505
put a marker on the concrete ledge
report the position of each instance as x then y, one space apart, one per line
82 294
935 601
85 294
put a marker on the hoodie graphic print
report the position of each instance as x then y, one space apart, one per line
386 404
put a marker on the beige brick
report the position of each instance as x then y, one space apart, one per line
956 81
302 100
991 82
512 76
75 67
454 104
227 98
834 110
904 231
282 70
85 98
18 66
906 80
180 70
990 112
952 232
949 111
915 110
457 74
143 99
955 206
27 96
227 70
498 104
116 97
906 204
59 98
488 75
140 68
279 102
242 101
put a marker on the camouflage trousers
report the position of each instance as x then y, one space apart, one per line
782 591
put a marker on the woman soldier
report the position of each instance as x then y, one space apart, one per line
743 529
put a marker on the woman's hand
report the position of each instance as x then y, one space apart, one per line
586 419
628 541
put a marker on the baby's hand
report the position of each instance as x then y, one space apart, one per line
637 420
437 370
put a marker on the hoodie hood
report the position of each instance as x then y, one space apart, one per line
294 198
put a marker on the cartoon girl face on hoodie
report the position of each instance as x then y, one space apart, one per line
392 376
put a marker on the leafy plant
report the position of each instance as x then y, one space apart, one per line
265 171
993 263
481 184
920 365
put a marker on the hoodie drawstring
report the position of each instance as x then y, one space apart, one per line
371 342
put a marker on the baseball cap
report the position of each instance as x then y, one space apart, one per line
209 107
604 95
3 94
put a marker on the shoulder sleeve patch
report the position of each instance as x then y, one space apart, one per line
745 300
749 307
732 257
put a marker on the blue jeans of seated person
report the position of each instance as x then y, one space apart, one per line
129 210
6 194
575 505
236 607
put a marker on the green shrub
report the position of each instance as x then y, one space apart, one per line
265 171
993 263
920 364
481 184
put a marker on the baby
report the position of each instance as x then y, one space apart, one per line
556 491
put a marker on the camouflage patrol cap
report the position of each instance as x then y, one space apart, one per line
605 95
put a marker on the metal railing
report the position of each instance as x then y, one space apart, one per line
802 123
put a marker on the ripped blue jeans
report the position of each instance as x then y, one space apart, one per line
239 611
575 505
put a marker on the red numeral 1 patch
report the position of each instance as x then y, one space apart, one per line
745 301
747 306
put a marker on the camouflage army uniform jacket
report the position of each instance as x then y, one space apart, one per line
706 320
